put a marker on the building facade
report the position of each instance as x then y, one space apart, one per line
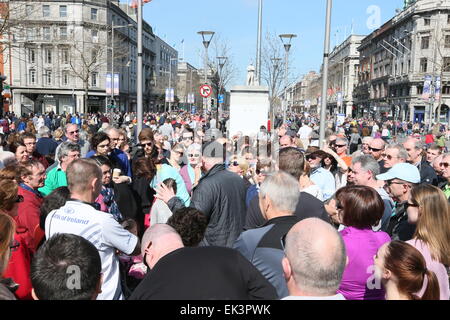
59 53
396 59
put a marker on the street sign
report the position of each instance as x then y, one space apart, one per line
193 109
220 98
205 91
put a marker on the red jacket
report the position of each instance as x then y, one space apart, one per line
28 216
19 268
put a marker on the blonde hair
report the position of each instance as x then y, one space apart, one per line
433 225
7 230
58 133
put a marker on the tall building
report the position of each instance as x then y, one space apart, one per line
396 59
58 54
188 84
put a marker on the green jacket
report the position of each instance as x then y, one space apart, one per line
55 178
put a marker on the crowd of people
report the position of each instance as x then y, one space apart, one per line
90 208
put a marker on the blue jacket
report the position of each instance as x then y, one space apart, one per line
263 248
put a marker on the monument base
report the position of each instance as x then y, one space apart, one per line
249 109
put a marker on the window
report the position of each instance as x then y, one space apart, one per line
32 55
448 19
63 33
425 42
46 35
94 14
65 78
63 11
48 77
46 10
426 21
30 34
94 34
29 9
446 64
447 41
423 65
94 79
94 54
445 90
65 56
48 55
32 75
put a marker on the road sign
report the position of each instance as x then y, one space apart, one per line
220 98
205 91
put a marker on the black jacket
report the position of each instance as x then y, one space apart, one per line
398 227
427 173
220 196
307 207
204 273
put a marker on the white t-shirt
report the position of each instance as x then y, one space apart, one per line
105 233
304 132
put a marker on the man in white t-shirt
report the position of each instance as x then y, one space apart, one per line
305 133
79 216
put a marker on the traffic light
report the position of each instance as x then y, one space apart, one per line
212 104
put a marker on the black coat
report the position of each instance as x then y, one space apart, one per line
220 196
307 207
204 273
427 173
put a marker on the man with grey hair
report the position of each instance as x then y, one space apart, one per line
364 147
315 261
393 154
278 197
364 172
46 145
415 149
207 273
67 152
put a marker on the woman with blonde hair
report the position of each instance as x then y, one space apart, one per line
428 209
7 244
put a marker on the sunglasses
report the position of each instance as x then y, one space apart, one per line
311 158
444 164
262 172
72 132
340 145
14 245
389 157
19 199
390 182
188 138
192 155
143 145
374 149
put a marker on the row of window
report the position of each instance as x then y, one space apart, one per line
48 78
62 11
65 56
33 34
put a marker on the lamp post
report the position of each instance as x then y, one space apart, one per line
259 42
207 37
170 83
286 39
326 53
113 27
221 61
275 62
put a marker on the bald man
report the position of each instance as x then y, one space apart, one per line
196 273
376 149
287 141
315 261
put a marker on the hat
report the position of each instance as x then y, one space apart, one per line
213 149
403 171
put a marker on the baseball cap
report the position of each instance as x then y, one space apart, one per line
403 171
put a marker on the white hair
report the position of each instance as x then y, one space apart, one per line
282 189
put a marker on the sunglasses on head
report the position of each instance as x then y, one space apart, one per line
340 145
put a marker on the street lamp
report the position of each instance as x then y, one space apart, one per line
221 61
170 83
286 39
275 63
207 37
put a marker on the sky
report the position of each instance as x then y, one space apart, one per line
235 21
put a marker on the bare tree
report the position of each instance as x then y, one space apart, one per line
223 76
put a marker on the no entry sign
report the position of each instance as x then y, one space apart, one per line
205 91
